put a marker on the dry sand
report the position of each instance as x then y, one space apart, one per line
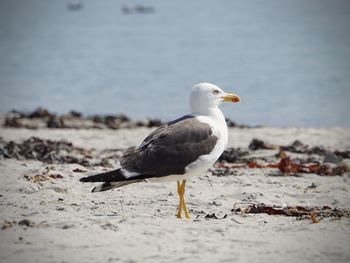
137 223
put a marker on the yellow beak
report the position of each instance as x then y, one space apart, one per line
232 98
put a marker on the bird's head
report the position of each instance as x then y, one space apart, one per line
206 95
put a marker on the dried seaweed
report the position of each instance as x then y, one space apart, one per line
299 147
56 152
6 224
315 214
77 170
287 166
232 124
343 154
42 118
233 155
43 150
296 147
42 177
256 144
24 223
46 175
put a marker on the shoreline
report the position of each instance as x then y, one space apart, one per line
42 118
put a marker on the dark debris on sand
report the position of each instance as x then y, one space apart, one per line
233 155
48 174
214 216
299 147
232 124
316 159
315 214
56 152
46 151
23 223
42 118
256 144
61 152
287 166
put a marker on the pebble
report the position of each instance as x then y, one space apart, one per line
26 222
332 158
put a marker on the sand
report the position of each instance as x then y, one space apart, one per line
137 223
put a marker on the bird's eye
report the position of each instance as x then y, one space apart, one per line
216 92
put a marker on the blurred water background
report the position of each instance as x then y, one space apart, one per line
288 60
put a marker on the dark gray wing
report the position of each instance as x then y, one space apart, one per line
170 148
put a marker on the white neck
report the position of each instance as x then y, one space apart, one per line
214 115
213 112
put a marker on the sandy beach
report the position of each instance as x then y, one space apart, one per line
47 215
81 81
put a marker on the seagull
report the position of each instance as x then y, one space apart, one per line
178 150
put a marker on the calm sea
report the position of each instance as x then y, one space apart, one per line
288 60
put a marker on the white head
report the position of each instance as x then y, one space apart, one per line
206 96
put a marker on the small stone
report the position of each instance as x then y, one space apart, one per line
332 158
296 147
41 113
154 123
217 203
220 230
313 185
74 113
256 144
26 222
233 155
54 123
230 123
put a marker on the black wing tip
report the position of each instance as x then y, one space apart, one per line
84 179
111 176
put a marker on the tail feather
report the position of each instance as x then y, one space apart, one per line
112 179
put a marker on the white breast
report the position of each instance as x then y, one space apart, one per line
204 162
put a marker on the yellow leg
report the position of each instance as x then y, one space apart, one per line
182 204
187 214
179 192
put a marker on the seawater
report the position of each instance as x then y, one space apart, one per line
288 60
